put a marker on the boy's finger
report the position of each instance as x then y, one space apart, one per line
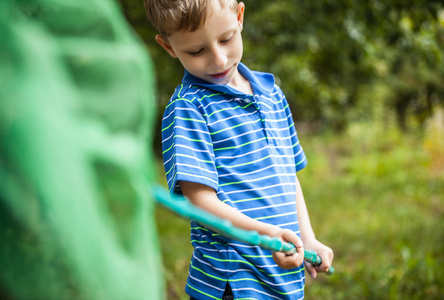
286 261
326 262
324 266
295 240
311 270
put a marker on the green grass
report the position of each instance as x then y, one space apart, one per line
377 198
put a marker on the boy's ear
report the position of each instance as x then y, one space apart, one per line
240 14
165 45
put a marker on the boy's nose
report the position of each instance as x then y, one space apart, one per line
219 58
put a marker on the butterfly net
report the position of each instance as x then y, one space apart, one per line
76 111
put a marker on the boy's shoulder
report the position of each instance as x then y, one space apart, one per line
190 91
201 93
191 96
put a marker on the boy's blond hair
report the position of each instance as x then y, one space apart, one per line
169 16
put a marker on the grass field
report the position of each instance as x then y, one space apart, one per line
376 196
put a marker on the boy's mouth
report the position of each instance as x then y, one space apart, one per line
221 75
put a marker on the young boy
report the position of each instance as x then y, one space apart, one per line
230 146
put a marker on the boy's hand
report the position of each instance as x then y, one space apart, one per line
286 261
326 254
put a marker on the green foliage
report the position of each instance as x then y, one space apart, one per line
174 233
434 141
380 208
325 52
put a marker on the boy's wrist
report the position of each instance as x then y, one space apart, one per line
308 239
273 231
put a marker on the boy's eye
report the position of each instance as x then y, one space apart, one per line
226 40
196 53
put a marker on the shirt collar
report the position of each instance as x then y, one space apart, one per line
262 83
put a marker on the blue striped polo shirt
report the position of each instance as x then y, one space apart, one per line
246 148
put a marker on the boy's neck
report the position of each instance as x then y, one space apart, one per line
241 84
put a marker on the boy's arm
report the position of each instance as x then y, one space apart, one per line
206 198
308 236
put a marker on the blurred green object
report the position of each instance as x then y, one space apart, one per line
76 113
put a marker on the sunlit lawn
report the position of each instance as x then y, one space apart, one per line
377 198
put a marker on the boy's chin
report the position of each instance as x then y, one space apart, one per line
221 81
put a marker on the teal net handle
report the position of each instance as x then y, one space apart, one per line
183 207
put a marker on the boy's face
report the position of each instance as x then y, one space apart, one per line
213 52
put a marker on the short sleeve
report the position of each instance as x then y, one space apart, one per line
299 155
186 144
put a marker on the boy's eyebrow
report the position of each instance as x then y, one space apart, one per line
231 30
